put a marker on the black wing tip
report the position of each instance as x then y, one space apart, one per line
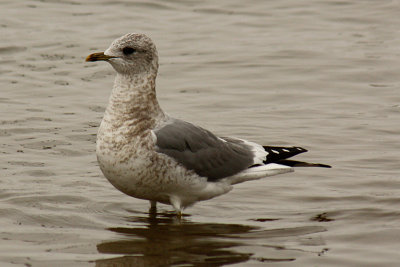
306 164
277 153
291 149
295 163
302 149
323 165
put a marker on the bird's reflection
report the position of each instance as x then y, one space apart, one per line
163 240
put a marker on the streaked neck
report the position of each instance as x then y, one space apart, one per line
133 100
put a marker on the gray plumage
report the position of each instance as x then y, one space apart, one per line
201 151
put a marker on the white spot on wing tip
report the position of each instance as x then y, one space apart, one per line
276 152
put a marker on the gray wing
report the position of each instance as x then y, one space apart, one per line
201 151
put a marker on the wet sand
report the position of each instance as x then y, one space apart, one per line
319 74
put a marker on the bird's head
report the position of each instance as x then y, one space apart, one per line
130 54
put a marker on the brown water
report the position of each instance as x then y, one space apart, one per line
319 74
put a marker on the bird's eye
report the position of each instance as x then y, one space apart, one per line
128 50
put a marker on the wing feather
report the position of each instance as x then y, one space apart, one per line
201 151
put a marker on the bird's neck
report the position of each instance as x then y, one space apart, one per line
133 101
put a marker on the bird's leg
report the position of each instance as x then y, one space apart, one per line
179 214
153 207
176 203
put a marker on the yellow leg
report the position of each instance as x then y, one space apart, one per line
176 203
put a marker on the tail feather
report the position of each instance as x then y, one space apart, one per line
258 172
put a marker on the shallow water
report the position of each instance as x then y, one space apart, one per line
319 74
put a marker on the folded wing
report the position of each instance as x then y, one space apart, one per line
201 151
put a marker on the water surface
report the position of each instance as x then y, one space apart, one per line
319 74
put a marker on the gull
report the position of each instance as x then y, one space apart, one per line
147 154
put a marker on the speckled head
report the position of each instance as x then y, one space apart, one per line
131 54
